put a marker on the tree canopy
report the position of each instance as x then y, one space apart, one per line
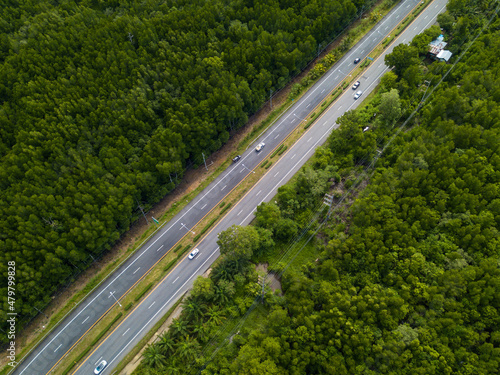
406 279
104 104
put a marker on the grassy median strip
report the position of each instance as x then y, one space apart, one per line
276 151
97 338
143 292
169 261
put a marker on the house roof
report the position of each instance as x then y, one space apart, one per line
444 55
437 45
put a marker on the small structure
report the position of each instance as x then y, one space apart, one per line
444 55
437 51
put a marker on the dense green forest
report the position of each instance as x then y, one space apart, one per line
406 280
104 104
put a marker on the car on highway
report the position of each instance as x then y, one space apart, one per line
193 253
356 84
236 158
358 94
357 60
260 146
100 367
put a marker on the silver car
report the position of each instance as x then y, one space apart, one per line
100 367
358 94
193 253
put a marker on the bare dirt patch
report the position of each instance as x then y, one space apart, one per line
271 279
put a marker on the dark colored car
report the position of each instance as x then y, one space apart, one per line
357 60
236 158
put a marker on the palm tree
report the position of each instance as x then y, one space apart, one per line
202 331
193 310
215 315
179 326
166 343
153 356
221 273
173 368
188 349
220 295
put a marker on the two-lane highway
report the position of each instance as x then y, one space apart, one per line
57 343
127 334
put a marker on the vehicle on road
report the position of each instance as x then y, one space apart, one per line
236 158
260 146
100 367
193 253
356 84
358 94
357 60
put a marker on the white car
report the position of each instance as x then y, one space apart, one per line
101 366
260 146
193 253
358 94
356 84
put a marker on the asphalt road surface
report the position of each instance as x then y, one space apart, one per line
57 343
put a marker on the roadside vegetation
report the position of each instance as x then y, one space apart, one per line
104 105
355 32
401 274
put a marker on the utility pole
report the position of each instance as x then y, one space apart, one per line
328 201
204 161
262 280
112 294
427 83
143 214
41 312
189 230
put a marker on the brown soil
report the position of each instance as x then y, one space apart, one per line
190 181
271 279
